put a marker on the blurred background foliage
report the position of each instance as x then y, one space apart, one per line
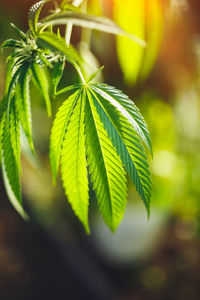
144 259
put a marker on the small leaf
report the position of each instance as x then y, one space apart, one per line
19 32
12 44
41 79
13 83
34 14
73 164
51 41
57 74
94 74
23 106
92 22
58 131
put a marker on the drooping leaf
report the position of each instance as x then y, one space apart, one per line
59 129
23 106
41 79
10 169
12 85
89 21
2 122
73 164
105 167
127 108
57 74
129 147
15 135
34 14
51 41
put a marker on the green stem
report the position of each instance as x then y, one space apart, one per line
68 34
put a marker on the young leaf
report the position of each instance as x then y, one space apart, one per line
41 79
127 108
57 74
129 147
92 22
105 167
59 129
19 32
51 41
12 44
34 14
73 164
94 74
22 102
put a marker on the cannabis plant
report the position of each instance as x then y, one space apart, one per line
98 134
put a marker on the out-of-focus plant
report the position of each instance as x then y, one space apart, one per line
145 19
98 133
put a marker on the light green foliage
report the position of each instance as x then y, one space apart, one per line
107 173
57 74
98 133
23 106
43 84
58 131
9 158
74 165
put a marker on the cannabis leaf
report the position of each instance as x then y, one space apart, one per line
89 21
92 128
34 14
98 134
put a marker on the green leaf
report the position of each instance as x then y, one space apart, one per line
128 109
89 21
19 32
10 169
53 42
34 14
23 106
59 129
12 85
105 167
57 74
15 135
12 44
94 74
41 79
128 145
73 164
2 122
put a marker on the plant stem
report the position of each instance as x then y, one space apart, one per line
68 33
